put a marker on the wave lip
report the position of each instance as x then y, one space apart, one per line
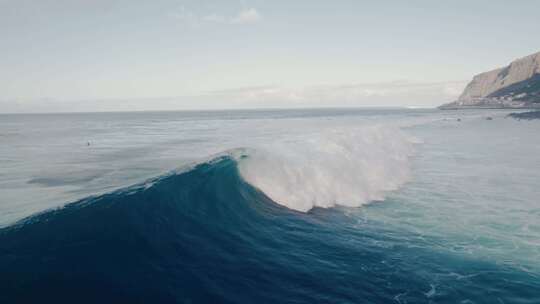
347 168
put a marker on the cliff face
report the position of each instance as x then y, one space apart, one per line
514 86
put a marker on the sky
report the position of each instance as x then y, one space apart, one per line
120 55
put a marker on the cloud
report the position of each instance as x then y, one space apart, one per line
368 94
195 20
383 94
246 16
214 18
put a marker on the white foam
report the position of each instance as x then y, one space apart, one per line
348 167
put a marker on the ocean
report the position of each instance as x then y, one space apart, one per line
270 206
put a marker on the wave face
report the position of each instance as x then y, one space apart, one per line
207 236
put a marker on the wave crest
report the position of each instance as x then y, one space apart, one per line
339 167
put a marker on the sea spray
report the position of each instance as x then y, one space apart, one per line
336 167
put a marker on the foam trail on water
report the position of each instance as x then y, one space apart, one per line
348 167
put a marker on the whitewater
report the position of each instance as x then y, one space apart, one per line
273 206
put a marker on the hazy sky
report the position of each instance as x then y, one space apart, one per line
96 55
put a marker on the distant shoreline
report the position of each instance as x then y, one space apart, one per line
444 107
530 115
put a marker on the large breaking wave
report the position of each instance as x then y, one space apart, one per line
339 167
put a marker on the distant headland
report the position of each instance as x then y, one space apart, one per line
516 86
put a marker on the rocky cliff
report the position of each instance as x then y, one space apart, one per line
514 86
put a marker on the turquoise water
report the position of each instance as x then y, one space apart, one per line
304 206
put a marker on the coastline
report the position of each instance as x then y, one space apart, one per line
487 107
529 115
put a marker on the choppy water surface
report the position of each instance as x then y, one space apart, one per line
302 206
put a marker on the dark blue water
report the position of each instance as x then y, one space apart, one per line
206 236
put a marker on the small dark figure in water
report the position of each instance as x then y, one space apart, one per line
489 118
459 119
88 143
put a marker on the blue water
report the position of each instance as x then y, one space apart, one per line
462 228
